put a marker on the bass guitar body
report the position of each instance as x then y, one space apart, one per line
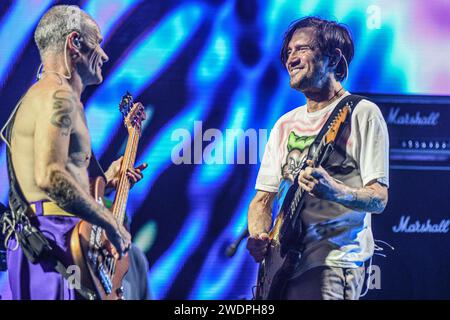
100 271
274 271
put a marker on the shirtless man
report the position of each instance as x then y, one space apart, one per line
51 149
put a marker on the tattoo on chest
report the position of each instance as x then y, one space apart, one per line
62 106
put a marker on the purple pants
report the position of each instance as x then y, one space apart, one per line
41 281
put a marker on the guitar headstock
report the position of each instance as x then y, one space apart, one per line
133 113
333 130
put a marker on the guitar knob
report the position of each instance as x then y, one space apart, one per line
120 291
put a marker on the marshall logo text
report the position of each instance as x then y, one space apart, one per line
405 226
408 119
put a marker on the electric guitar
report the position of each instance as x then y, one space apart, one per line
100 271
285 246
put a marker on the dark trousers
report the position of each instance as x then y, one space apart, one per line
326 283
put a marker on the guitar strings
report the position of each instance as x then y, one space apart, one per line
123 185
111 264
120 202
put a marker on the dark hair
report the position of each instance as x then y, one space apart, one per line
329 35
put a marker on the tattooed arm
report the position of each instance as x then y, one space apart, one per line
259 223
54 125
372 197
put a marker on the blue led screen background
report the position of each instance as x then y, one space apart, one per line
201 65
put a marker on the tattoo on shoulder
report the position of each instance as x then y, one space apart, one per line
63 107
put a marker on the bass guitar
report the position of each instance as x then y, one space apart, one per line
100 271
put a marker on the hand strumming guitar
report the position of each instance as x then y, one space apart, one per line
257 246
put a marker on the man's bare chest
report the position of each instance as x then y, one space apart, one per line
80 144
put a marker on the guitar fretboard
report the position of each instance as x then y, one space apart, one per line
121 198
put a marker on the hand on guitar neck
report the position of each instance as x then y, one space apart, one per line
318 183
113 173
119 238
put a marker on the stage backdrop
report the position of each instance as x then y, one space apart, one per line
209 75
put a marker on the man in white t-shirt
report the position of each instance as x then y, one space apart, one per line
340 197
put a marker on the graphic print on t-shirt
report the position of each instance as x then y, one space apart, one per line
297 147
335 235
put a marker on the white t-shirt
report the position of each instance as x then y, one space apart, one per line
335 235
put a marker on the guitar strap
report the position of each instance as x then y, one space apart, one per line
352 101
95 169
19 221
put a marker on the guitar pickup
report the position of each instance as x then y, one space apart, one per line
104 278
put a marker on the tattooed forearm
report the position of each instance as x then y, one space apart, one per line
371 198
67 195
63 107
260 213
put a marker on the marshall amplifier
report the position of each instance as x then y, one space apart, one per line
419 130
413 256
